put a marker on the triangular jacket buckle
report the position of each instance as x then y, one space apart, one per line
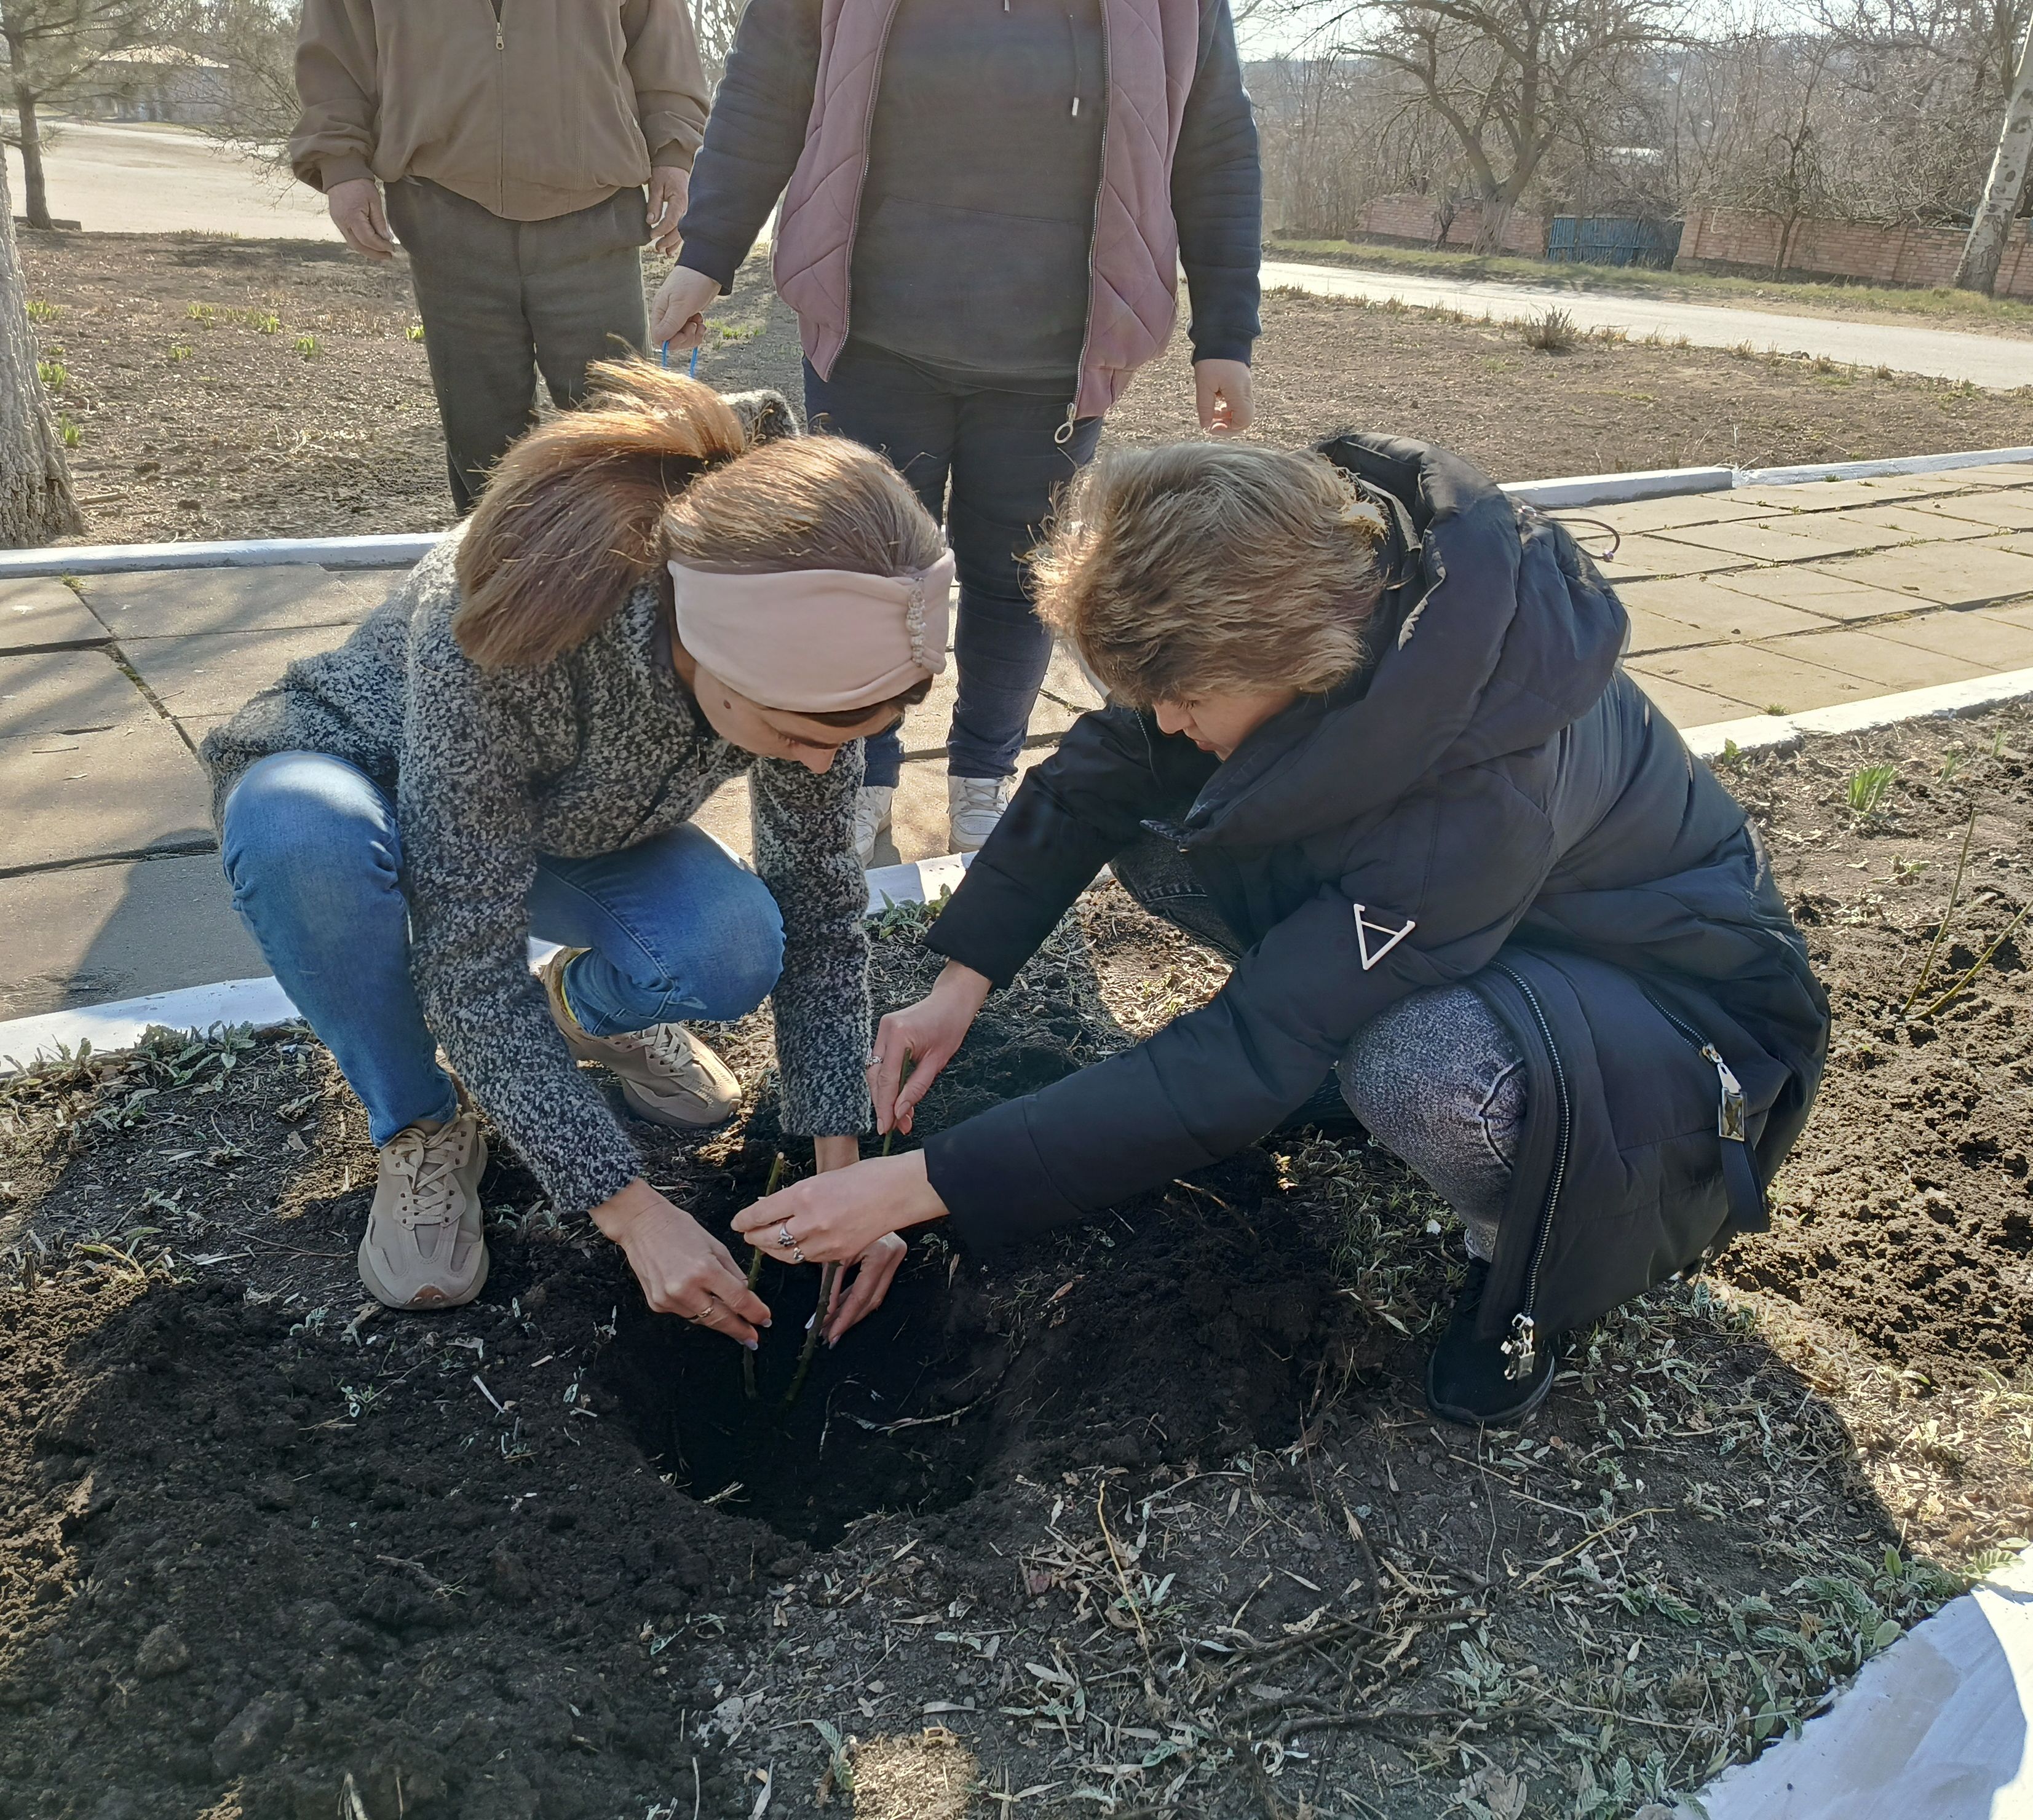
1365 929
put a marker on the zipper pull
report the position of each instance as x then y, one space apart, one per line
1521 1349
1064 434
1729 1119
499 43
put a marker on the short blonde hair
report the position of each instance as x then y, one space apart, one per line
1204 566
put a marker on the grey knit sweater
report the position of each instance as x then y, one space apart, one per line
597 751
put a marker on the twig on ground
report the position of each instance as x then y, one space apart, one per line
1982 961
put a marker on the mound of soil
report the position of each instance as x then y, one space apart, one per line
1150 1514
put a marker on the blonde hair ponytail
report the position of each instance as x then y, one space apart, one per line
573 516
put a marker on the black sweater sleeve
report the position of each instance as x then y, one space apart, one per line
753 136
1217 197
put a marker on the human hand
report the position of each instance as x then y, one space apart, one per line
669 188
1222 389
924 1036
683 1268
678 313
355 208
843 1213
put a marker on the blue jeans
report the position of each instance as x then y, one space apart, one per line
987 462
675 928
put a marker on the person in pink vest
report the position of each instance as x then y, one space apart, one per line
986 206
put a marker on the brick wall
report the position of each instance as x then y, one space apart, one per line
1919 255
1414 220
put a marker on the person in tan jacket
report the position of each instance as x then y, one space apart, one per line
512 140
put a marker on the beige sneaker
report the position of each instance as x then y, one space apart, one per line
873 803
424 1247
666 1074
974 805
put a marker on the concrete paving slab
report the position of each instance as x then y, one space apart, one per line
212 673
1642 516
1762 541
2020 615
1838 496
1651 631
104 932
162 603
1919 523
41 613
1766 679
1827 597
1638 558
63 691
2001 508
1978 635
1936 1727
1998 474
128 790
1686 706
1889 663
1964 575
1715 613
1846 533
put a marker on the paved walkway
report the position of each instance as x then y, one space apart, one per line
117 178
2002 362
1778 599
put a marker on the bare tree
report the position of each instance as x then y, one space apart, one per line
36 504
1985 246
1513 78
256 41
53 47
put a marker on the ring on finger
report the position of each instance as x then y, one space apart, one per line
787 1242
706 1314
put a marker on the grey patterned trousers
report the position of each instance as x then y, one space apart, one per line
1435 1079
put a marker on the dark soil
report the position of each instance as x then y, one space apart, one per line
1146 1518
246 433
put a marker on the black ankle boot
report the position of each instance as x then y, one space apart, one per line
1465 1377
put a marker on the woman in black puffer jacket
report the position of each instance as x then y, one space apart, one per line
1369 733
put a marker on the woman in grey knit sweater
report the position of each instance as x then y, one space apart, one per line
516 743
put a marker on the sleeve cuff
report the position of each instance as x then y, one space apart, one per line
715 262
334 171
1219 349
676 155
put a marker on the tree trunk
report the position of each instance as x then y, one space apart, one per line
34 193
35 504
1985 244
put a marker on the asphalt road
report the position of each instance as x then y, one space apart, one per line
119 178
2001 363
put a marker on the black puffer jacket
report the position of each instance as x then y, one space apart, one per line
1494 785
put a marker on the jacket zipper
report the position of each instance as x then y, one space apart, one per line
1729 1115
501 106
1521 1349
1065 432
861 188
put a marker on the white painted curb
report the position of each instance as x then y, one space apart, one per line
378 552
262 1003
1933 464
396 551
1621 489
1761 732
1935 1728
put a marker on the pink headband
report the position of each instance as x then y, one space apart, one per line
817 640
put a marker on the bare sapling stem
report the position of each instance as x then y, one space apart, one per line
828 1277
1934 947
1982 961
755 1276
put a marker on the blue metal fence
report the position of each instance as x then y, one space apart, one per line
1613 240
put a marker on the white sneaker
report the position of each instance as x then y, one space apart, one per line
872 805
974 805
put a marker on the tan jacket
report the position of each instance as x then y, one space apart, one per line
531 108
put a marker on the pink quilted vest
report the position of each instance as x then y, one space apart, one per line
1132 302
